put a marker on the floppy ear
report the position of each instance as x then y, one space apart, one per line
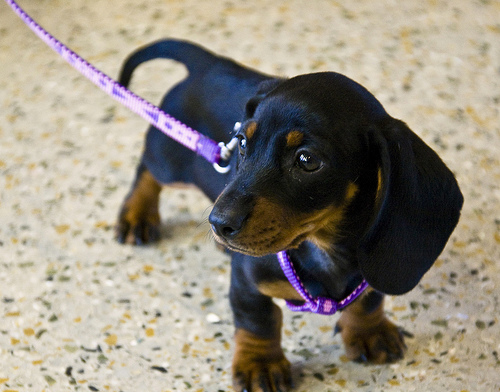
418 205
264 88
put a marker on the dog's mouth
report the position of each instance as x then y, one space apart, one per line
261 245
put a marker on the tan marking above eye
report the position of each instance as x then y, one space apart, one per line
294 138
250 131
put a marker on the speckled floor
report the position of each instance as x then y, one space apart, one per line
80 312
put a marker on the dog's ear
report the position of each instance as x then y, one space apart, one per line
264 88
418 204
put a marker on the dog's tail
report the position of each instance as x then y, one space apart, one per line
194 57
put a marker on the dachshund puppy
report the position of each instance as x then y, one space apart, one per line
320 169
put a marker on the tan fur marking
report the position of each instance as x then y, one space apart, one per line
378 195
357 317
257 359
250 131
263 232
140 208
328 220
181 185
272 228
370 335
352 189
249 343
294 138
143 199
279 289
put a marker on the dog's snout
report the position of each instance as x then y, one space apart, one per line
224 231
225 226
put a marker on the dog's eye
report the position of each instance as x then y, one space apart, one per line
242 145
308 162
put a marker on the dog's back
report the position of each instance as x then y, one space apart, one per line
216 89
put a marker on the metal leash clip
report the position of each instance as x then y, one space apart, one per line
226 150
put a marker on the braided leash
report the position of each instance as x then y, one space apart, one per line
188 137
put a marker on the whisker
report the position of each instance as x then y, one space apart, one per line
209 236
205 210
204 216
202 222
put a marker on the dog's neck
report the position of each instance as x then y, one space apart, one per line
325 239
334 268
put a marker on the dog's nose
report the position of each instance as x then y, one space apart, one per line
225 226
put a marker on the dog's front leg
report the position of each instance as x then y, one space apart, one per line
259 364
368 335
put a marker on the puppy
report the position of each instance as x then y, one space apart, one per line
320 169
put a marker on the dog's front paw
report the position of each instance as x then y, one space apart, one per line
378 343
262 375
259 365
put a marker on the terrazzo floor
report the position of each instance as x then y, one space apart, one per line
80 312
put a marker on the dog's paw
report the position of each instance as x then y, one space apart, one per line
378 344
262 376
259 365
139 219
137 227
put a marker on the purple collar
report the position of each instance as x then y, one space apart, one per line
319 305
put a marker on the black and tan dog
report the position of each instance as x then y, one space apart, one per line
322 170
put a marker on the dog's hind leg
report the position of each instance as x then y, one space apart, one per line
139 219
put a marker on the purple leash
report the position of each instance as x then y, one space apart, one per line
171 127
212 151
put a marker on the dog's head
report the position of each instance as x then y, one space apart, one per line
319 159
